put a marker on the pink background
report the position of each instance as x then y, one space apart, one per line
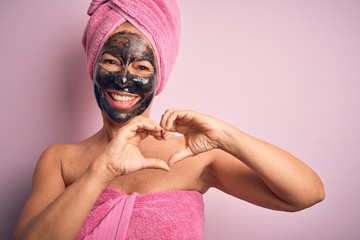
285 71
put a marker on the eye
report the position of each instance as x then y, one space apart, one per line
110 63
143 68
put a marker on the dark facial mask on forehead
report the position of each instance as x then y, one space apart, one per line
128 46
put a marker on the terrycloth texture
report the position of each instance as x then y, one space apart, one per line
163 215
109 218
158 20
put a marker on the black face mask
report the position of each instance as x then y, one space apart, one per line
125 76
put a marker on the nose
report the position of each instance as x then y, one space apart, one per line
123 74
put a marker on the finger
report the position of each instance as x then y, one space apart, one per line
158 135
137 120
165 117
170 122
155 131
178 119
140 128
180 155
140 119
155 163
171 118
165 134
148 126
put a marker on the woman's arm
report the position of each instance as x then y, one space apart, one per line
247 168
56 212
53 212
266 175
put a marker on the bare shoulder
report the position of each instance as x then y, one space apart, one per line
51 160
48 181
75 159
68 160
57 153
51 157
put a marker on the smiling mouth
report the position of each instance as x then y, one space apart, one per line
123 100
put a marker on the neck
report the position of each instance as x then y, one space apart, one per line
110 128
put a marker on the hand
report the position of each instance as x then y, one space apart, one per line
122 155
201 132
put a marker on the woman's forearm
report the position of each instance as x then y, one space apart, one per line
289 178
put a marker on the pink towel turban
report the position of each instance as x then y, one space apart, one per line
158 20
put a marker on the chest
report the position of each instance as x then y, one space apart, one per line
185 175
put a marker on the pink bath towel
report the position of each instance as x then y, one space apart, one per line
163 215
158 20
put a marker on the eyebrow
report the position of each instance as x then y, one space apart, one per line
145 58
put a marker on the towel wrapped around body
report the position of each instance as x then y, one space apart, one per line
162 215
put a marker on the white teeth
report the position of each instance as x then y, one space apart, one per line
120 98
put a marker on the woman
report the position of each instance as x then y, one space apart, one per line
134 179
